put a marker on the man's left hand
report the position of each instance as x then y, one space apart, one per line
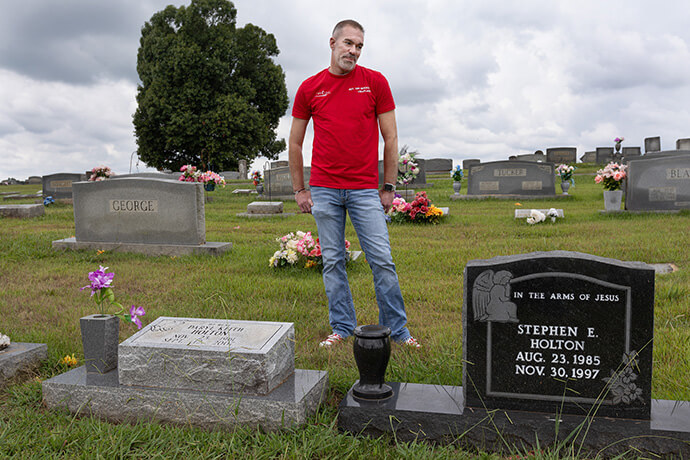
386 199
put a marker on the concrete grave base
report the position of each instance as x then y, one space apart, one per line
102 396
22 211
647 211
435 412
21 197
19 358
247 214
511 197
209 248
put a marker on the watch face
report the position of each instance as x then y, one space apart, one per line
388 188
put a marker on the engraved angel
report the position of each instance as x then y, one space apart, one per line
491 298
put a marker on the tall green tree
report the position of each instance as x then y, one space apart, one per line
210 92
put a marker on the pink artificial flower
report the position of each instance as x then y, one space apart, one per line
598 179
134 313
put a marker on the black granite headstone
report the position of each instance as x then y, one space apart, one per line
658 182
512 178
559 332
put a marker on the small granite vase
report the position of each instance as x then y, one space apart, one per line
372 349
457 185
260 189
565 185
99 337
209 187
613 200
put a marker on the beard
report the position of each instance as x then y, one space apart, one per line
346 63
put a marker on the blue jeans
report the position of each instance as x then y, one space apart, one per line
367 216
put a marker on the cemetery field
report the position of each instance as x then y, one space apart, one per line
40 301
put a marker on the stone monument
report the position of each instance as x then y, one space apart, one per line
557 348
19 358
150 216
658 183
511 179
211 373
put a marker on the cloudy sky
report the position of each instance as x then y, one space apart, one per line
472 79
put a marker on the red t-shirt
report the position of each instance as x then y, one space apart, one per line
346 132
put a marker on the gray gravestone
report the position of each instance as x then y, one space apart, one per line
683 144
561 155
512 178
652 144
439 165
559 331
59 185
211 373
278 182
533 157
589 157
148 175
33 180
658 183
22 211
20 358
630 153
604 155
472 161
145 211
279 164
230 175
243 169
246 357
265 207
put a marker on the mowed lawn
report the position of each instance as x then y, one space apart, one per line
40 301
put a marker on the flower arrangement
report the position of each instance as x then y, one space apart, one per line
256 178
209 177
420 210
611 176
566 172
101 173
300 248
407 166
69 361
102 293
189 174
618 141
457 173
47 201
536 216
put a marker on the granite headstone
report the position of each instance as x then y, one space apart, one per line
561 155
604 155
472 161
512 178
589 157
559 332
59 185
438 165
652 144
683 144
658 182
278 182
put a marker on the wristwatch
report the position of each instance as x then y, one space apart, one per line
388 187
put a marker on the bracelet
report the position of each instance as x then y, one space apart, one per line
300 190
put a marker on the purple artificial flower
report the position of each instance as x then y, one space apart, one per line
99 280
134 313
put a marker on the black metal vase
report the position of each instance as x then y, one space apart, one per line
372 349
99 336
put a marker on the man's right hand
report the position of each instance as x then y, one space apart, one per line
304 202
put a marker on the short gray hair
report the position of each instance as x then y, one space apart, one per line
347 22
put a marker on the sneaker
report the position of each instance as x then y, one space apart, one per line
331 340
411 342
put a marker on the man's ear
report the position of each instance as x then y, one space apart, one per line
331 43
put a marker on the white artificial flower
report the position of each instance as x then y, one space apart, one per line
531 221
292 257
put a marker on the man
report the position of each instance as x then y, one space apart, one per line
349 104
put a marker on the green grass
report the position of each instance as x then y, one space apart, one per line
40 301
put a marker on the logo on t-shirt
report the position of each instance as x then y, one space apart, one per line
360 89
322 93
